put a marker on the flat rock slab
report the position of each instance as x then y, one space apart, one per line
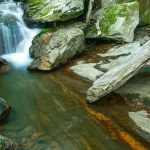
119 73
87 71
141 119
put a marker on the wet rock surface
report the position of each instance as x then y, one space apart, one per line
4 66
4 109
87 71
54 49
7 144
141 119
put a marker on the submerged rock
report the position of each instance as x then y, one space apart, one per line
58 10
51 50
7 144
141 119
115 22
4 66
4 109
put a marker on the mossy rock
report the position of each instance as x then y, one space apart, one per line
116 22
48 11
144 10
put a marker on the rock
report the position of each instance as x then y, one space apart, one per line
7 144
141 119
48 11
87 71
52 50
112 58
4 109
115 22
119 72
4 66
142 34
144 10
105 3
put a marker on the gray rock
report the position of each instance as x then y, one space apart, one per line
87 71
105 3
3 61
53 10
144 10
142 34
4 109
114 57
52 50
141 119
120 72
115 22
4 66
7 144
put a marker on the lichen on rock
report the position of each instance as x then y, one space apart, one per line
49 10
116 22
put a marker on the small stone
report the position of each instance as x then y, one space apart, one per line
141 119
4 66
4 109
7 144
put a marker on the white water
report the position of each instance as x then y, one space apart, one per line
17 37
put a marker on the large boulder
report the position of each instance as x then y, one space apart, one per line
7 144
144 10
53 10
51 50
4 109
116 22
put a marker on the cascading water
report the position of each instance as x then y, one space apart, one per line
15 36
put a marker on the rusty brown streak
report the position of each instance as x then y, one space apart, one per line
113 129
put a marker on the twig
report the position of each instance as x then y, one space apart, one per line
88 16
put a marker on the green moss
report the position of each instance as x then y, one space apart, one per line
92 30
112 12
48 11
144 6
108 19
1 147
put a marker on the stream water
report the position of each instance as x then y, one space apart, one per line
16 37
49 110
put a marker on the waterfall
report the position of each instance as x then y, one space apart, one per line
15 37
